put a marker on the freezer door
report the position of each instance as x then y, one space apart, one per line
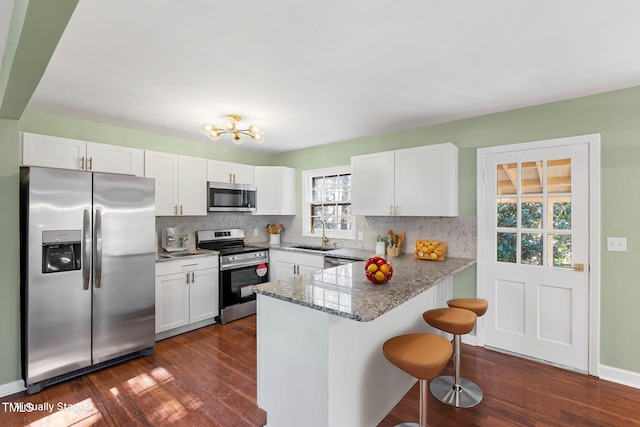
57 297
124 265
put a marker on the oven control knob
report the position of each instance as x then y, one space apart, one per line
232 258
258 254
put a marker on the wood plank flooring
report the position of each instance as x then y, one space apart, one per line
208 378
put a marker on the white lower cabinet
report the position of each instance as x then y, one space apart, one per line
186 294
284 264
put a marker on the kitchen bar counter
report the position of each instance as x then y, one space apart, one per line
345 291
320 336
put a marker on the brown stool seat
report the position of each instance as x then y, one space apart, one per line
477 305
456 321
422 356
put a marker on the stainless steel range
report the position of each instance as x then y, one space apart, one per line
241 267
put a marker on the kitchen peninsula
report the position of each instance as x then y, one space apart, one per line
320 336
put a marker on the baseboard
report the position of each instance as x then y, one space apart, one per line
620 376
470 339
12 388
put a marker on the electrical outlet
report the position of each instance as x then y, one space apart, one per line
617 244
360 235
256 232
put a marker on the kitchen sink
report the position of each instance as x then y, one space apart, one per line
313 248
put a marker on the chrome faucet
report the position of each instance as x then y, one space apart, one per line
324 236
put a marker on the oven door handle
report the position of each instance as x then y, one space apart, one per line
235 265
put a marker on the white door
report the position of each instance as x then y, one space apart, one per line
535 252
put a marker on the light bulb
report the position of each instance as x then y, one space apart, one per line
205 128
214 133
256 134
237 137
229 123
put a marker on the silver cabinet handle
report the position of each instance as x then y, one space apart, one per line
188 279
86 253
97 250
193 277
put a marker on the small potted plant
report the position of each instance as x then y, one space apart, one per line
274 233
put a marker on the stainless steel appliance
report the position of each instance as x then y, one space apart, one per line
241 267
87 272
227 196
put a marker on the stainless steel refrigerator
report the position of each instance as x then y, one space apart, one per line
88 268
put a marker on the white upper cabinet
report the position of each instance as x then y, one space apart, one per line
372 189
181 183
115 159
275 190
220 171
67 153
420 181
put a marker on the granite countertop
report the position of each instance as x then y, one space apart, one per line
345 291
172 256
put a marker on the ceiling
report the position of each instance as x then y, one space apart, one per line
312 73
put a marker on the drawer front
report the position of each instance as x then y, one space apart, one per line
186 264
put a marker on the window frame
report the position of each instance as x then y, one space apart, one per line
307 194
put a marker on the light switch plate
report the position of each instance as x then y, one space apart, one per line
617 244
360 235
256 232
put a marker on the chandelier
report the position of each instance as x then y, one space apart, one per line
230 126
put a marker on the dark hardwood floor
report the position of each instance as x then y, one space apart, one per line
208 378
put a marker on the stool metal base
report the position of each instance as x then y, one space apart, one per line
466 395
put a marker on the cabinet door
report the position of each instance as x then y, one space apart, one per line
372 184
230 172
426 180
279 270
192 186
115 159
203 287
164 168
172 301
244 174
53 152
275 190
287 191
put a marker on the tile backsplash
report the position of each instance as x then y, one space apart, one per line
459 232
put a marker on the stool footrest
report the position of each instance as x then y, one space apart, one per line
464 395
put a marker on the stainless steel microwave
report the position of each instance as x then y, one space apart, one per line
227 196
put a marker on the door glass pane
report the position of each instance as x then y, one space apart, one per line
561 252
507 246
531 212
506 178
560 213
531 245
559 176
531 177
507 212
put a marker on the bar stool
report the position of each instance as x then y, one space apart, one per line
422 356
478 305
454 391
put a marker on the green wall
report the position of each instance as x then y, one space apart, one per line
613 115
86 130
9 254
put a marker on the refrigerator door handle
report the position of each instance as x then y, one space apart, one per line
97 250
86 253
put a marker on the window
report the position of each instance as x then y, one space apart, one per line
327 197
